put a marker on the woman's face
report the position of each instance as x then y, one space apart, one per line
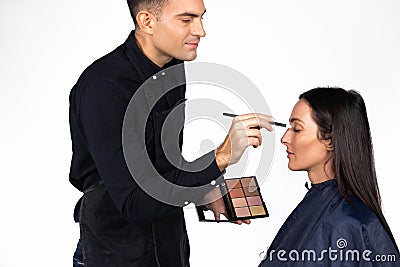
305 151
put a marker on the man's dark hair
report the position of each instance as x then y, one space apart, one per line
153 6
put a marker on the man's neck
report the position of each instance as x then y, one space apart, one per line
146 45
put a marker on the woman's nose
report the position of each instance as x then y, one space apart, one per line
285 137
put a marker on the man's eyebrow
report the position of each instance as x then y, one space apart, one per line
189 14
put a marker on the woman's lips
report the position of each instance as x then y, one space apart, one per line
289 153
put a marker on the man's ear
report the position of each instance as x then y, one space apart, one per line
146 21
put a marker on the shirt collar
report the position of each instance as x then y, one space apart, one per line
331 182
137 58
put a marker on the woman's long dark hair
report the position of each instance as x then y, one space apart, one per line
341 117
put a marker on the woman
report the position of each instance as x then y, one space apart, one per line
340 220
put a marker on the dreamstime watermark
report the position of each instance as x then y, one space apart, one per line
341 254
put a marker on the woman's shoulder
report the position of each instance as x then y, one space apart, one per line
355 220
358 211
351 214
355 226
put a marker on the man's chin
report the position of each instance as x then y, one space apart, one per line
189 57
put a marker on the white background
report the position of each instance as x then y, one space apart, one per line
284 47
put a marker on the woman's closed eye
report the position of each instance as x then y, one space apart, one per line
296 128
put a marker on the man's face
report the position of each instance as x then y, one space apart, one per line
178 31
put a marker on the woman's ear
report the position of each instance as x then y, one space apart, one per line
146 21
328 144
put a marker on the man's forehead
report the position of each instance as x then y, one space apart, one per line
185 7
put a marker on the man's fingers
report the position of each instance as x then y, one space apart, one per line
217 215
254 137
254 133
255 121
253 141
253 115
239 222
244 132
260 121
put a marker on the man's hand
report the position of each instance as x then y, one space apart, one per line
217 205
245 131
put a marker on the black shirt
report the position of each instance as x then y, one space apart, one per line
98 103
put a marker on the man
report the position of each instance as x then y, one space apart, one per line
122 225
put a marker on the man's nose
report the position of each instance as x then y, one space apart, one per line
198 29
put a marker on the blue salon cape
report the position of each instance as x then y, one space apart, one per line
325 230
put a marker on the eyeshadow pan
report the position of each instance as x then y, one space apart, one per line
246 182
236 193
242 212
233 183
251 191
257 210
254 201
239 202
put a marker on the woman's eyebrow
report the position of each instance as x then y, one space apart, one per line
291 120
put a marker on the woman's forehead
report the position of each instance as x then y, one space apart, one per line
301 112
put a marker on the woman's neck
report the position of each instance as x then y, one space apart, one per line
322 174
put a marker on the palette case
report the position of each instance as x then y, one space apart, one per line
242 199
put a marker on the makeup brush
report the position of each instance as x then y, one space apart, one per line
272 123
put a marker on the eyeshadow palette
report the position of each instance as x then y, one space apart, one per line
242 199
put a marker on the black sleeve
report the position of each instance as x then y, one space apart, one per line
102 109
